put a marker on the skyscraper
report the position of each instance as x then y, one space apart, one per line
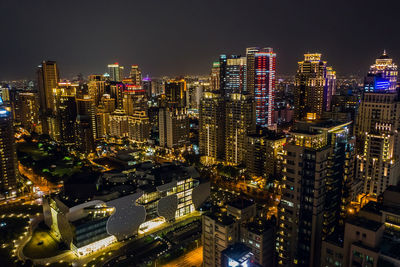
48 78
116 72
139 126
175 92
239 122
386 71
235 76
173 124
8 157
212 128
96 87
147 86
215 77
67 113
26 111
136 75
134 97
376 129
260 82
314 86
85 125
173 120
62 121
316 162
264 152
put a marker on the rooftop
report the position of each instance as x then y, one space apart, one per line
220 217
259 226
373 207
83 187
238 252
312 127
241 203
365 223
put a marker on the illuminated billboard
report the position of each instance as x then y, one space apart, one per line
381 84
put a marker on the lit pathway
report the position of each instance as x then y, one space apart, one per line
190 259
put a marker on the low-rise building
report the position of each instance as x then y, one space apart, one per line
94 211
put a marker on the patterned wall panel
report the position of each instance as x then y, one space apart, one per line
127 217
200 194
167 207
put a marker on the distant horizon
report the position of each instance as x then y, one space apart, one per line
70 78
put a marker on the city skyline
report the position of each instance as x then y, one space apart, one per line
206 134
198 33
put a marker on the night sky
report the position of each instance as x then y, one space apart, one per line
171 37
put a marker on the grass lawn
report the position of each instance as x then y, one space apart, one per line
61 170
32 150
42 245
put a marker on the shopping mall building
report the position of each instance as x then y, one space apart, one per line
94 211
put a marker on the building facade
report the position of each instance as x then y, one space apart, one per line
239 122
314 87
261 82
212 128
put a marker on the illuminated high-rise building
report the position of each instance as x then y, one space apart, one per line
239 122
215 77
26 111
316 179
147 86
67 113
385 73
223 59
314 87
260 82
157 87
235 75
85 125
376 129
48 78
61 120
330 87
264 153
173 124
136 75
195 93
134 97
173 120
5 94
175 93
117 93
116 72
96 87
139 126
103 111
119 124
212 128
8 157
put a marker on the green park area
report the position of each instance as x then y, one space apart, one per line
48 160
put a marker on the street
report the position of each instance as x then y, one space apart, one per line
190 259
